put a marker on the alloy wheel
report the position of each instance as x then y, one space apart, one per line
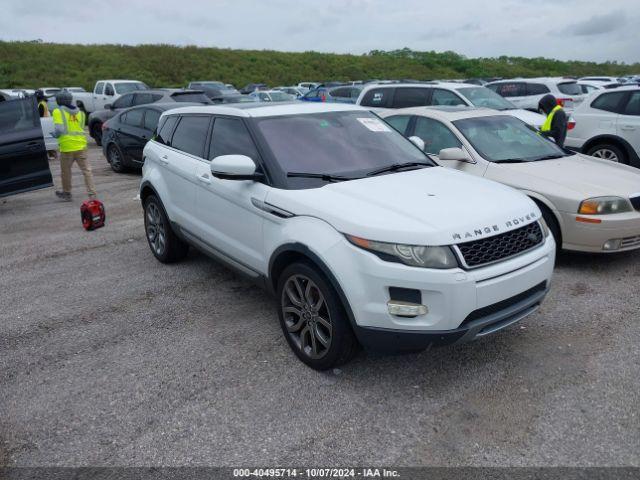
306 316
156 231
606 154
114 158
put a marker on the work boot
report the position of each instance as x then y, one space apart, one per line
65 196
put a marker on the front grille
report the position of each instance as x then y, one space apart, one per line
499 247
635 201
504 304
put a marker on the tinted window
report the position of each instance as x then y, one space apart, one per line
435 135
99 88
190 97
633 105
410 97
143 99
133 117
123 102
341 92
164 132
127 87
445 97
513 90
537 89
399 122
570 88
231 137
609 102
17 114
108 89
151 118
376 97
191 134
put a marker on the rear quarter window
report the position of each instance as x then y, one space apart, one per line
165 129
570 88
609 102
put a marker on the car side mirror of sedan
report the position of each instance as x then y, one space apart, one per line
455 155
418 142
234 167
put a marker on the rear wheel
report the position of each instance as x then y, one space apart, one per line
313 319
164 243
116 160
96 132
609 152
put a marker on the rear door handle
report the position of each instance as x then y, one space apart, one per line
164 159
627 127
204 178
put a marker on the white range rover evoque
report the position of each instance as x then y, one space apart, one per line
360 236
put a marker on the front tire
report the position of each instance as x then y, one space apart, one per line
313 319
116 159
609 152
163 242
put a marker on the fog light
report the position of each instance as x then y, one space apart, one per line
613 244
406 309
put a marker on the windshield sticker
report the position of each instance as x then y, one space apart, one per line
374 124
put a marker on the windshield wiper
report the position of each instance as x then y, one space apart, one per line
321 176
549 157
511 160
398 166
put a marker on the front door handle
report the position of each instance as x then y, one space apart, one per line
164 159
204 178
627 127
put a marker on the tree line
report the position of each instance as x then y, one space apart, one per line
38 64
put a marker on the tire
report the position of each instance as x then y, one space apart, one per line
610 152
313 320
163 242
554 226
116 159
95 130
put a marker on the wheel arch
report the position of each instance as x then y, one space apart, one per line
543 204
146 189
292 252
620 142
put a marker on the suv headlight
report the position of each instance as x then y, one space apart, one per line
412 255
604 206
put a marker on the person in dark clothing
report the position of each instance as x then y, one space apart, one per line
43 109
555 126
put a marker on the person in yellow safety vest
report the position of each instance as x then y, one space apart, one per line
69 121
555 125
43 108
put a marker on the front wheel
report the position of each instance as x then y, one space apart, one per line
164 243
115 159
313 319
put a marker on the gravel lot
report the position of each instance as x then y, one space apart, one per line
108 357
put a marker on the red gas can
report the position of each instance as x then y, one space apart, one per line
92 214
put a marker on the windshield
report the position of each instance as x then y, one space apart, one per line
348 143
130 87
571 88
483 97
503 138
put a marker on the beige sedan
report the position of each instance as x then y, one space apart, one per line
590 205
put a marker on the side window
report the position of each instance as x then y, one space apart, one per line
231 137
312 94
355 93
108 90
633 105
493 87
340 92
191 135
609 102
377 97
165 130
513 90
151 118
399 122
99 88
124 101
435 135
143 99
264 97
537 89
410 97
133 117
445 97
18 114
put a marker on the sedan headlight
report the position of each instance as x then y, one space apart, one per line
604 206
412 255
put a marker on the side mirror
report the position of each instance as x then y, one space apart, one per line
455 154
418 142
234 167
108 106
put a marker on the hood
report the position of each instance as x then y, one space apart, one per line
531 118
430 206
577 177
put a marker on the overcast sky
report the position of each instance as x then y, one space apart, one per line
566 29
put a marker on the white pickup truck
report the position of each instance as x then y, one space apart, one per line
104 93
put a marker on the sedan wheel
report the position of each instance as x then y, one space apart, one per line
115 159
306 316
156 229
